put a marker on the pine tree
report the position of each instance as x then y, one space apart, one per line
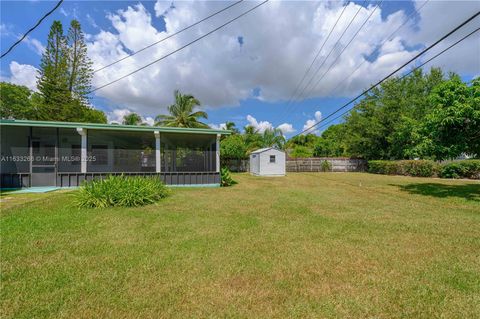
53 74
80 70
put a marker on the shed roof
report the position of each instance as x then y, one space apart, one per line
99 126
261 150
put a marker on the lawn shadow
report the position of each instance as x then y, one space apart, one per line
466 191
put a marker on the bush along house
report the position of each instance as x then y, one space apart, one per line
63 154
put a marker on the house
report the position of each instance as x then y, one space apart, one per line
267 162
63 154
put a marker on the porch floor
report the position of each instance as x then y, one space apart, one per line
39 189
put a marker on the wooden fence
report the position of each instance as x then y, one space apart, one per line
313 164
337 164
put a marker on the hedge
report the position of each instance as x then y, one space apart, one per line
461 169
426 168
422 168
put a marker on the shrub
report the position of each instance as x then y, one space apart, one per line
382 167
326 166
461 169
226 178
419 168
127 191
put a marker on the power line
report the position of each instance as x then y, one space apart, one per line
333 47
392 73
32 28
179 49
411 71
415 11
345 47
316 56
168 37
288 109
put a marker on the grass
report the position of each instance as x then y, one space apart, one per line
326 245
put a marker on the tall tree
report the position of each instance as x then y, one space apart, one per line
53 72
182 113
132 119
453 125
230 126
80 70
17 102
273 138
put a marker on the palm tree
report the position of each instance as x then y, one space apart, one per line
181 113
132 119
230 126
273 138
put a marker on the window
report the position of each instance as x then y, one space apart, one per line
272 158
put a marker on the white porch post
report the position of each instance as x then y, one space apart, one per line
157 151
217 154
83 149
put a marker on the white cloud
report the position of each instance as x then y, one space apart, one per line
265 125
162 7
220 126
286 128
117 115
260 126
35 45
220 73
22 74
307 127
92 21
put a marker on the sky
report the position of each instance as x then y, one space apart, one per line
248 71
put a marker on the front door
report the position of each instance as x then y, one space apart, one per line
44 156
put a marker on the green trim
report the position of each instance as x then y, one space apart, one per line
98 126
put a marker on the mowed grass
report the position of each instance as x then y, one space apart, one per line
325 245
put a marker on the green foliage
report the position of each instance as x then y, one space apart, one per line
461 169
127 191
132 119
80 72
326 166
272 138
63 83
300 151
182 114
419 168
331 143
53 73
226 178
233 147
18 102
453 125
386 123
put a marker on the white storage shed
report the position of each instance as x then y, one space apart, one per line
267 162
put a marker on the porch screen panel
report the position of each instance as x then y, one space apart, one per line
69 150
15 149
187 152
120 151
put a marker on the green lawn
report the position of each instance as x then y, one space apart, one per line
326 245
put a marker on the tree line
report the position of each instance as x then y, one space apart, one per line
426 115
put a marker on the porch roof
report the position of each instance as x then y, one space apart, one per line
117 127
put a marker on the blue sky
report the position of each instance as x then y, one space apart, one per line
250 68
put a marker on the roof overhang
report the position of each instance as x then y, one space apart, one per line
97 126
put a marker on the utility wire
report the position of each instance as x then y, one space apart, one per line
415 11
333 47
168 37
344 48
31 29
316 56
395 71
410 72
180 48
288 109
